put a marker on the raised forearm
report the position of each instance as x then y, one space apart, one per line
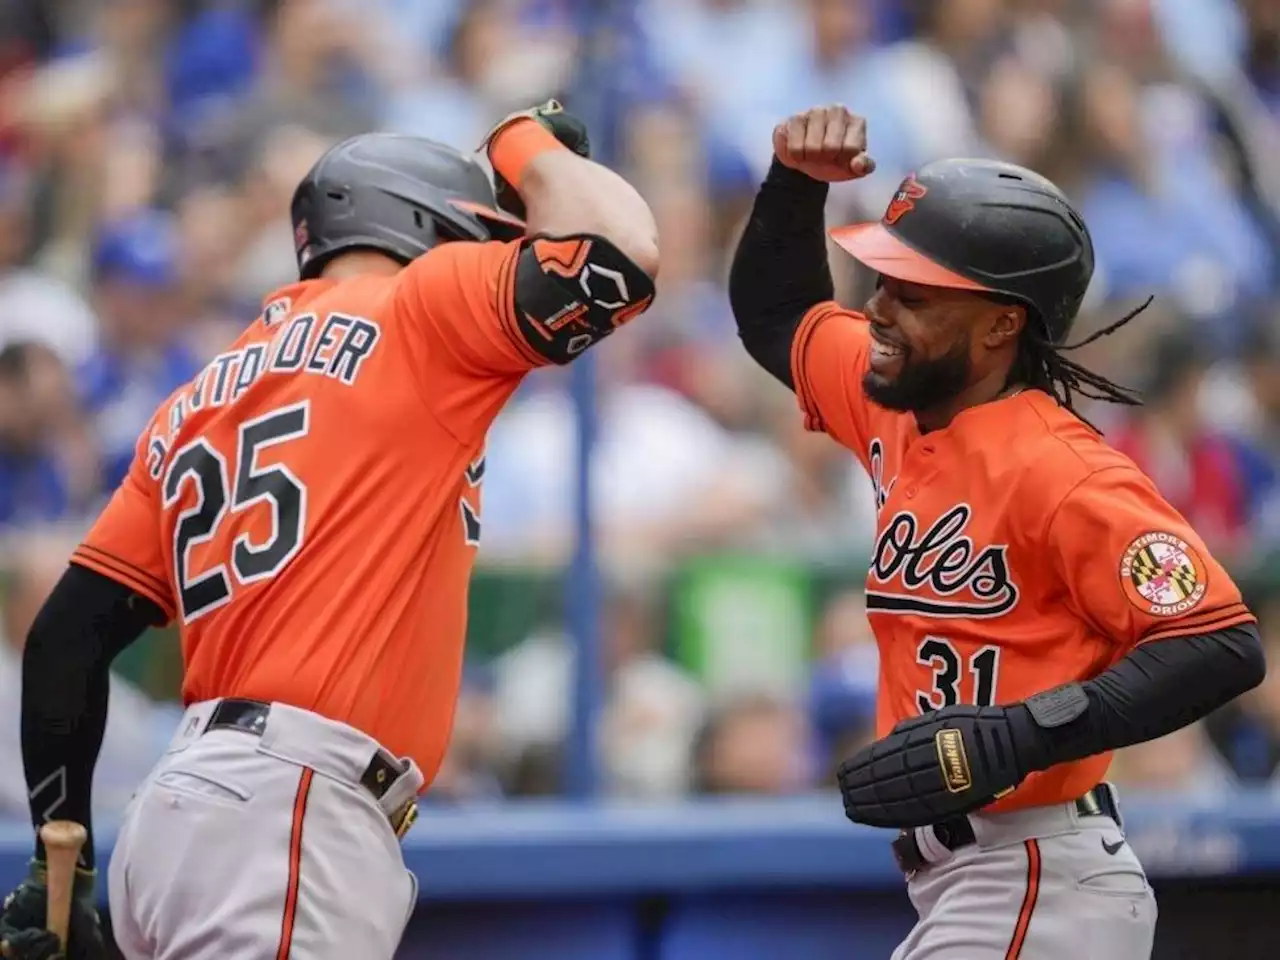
566 194
780 267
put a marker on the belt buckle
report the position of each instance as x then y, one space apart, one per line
1108 799
403 818
1089 805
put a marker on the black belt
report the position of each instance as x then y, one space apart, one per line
250 716
958 831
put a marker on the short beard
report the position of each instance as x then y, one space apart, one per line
922 384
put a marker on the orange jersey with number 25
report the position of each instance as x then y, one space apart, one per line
308 508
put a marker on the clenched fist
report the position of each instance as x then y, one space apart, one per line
827 143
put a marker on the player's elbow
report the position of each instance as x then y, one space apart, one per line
642 250
634 234
567 195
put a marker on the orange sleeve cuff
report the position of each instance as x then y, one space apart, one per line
514 147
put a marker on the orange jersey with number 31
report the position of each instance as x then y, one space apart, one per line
1015 550
308 508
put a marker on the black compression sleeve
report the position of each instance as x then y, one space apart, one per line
85 622
1160 687
780 267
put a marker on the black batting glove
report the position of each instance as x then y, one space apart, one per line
941 765
22 923
565 127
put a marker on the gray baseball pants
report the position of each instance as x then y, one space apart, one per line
1040 884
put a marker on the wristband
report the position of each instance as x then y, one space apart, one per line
514 146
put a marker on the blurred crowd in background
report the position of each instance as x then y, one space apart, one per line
148 151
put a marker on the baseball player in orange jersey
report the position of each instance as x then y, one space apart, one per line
1035 601
307 511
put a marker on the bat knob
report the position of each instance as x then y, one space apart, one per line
63 835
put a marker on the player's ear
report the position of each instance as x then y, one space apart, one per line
1005 325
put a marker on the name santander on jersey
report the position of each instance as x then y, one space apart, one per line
334 346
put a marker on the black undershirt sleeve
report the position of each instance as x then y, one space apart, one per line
1158 688
780 267
86 621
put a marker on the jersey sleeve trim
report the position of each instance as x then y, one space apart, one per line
799 363
123 572
1234 615
507 308
107 556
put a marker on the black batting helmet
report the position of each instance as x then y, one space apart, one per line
395 194
987 226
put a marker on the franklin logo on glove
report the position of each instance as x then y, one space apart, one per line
955 765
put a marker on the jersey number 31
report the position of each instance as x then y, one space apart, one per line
199 463
941 656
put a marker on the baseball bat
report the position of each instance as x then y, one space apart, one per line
63 840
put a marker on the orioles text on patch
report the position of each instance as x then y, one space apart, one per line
1163 575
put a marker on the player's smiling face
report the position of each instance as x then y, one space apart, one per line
928 344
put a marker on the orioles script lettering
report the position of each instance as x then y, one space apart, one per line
939 570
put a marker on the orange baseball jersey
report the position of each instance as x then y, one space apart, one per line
308 508
1015 550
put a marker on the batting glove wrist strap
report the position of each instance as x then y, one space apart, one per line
514 142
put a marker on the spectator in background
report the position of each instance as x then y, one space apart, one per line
1163 215
1246 732
1183 763
35 306
261 257
653 708
143 356
469 772
668 478
933 77
651 712
490 62
824 511
842 690
1193 466
778 55
1262 51
1019 116
752 745
48 458
1258 442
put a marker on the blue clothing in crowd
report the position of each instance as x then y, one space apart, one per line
121 394
33 490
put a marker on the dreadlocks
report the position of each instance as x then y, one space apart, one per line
1041 364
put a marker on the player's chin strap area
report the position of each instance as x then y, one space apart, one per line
918 848
250 716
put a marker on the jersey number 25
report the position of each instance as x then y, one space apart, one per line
205 467
941 656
